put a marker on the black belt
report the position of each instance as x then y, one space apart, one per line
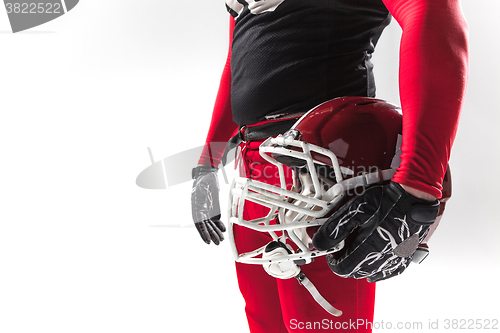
257 132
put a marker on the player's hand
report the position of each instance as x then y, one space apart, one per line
205 204
385 225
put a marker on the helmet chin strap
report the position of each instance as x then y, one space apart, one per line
363 180
304 280
289 269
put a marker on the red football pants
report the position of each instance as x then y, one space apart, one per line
278 306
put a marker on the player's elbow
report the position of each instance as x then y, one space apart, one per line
438 24
440 15
453 31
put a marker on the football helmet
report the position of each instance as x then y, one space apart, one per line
335 150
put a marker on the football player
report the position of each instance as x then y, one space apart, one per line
285 58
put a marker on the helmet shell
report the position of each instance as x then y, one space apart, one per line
362 132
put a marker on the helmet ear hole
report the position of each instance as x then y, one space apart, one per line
271 246
367 102
325 171
289 161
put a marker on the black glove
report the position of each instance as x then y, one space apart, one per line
383 227
205 204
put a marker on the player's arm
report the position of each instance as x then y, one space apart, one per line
222 126
432 76
393 220
205 192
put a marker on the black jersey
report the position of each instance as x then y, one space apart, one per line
291 55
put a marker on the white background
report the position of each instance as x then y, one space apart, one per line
83 249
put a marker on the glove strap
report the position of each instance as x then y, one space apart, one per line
303 280
420 254
201 169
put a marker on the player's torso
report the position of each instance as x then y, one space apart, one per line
290 55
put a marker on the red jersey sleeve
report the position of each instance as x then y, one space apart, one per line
222 126
432 77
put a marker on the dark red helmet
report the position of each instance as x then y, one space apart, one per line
361 132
